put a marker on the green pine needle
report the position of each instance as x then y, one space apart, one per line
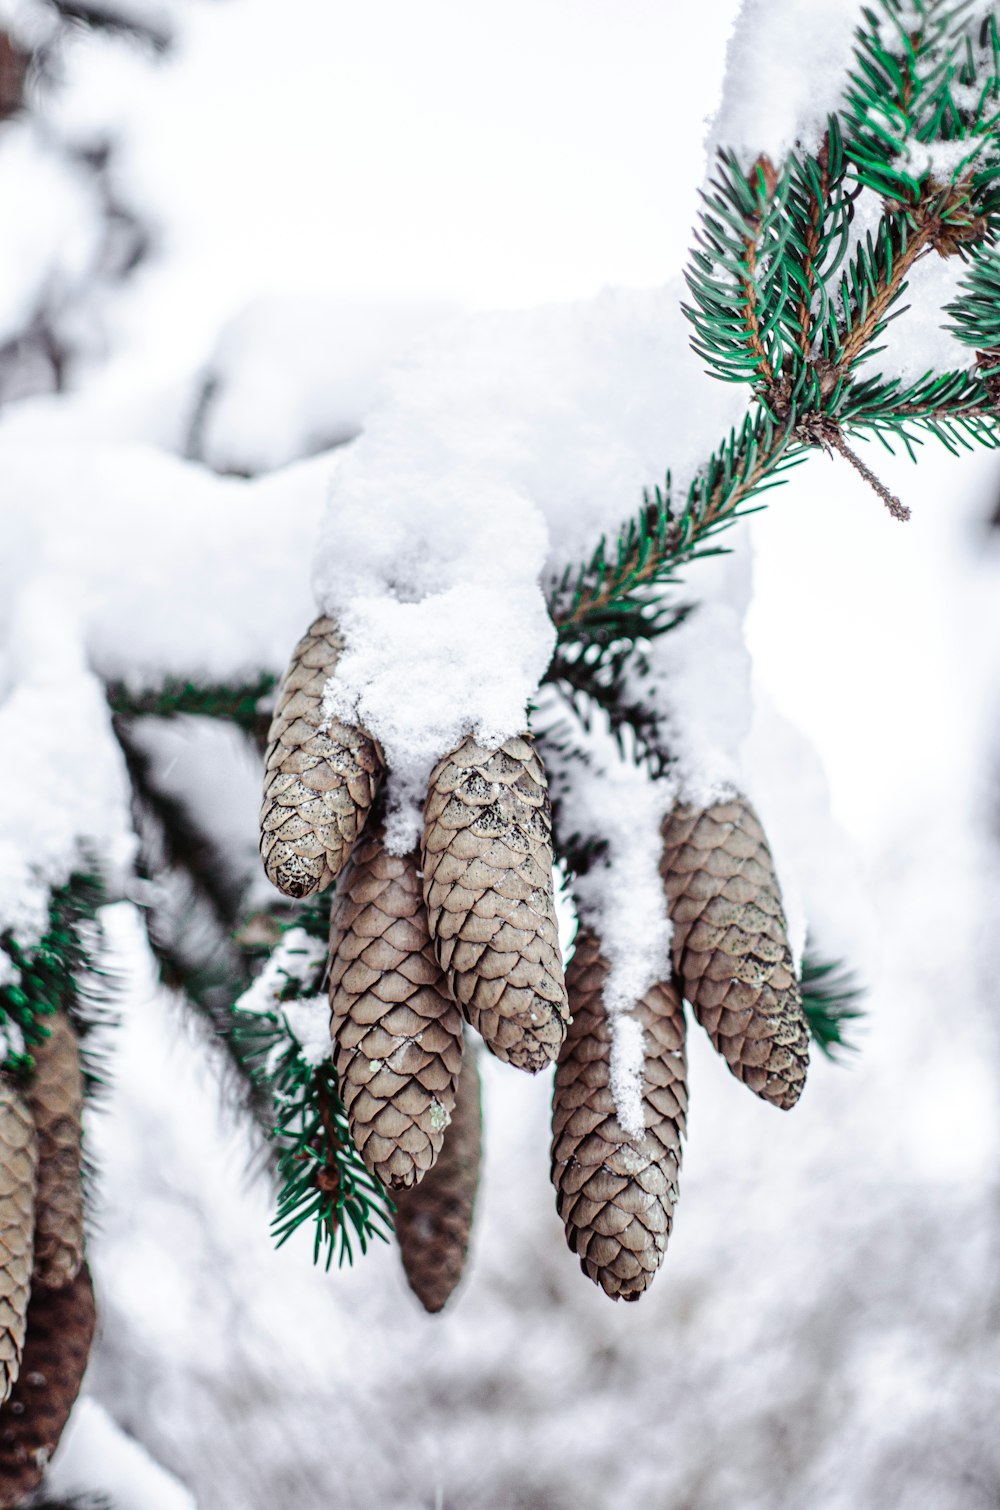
63 972
322 1177
831 1001
237 703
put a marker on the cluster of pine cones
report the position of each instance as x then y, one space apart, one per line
465 928
46 1297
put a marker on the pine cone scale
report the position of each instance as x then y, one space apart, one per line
397 1033
18 1165
60 1332
730 945
55 1100
615 1193
320 777
434 1219
487 862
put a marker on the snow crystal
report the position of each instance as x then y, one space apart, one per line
62 779
494 429
700 678
296 957
175 571
786 68
291 376
917 341
627 1070
607 798
308 1021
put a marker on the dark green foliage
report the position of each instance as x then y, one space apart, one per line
236 704
63 972
75 1502
194 904
831 1001
788 299
938 81
322 1178
976 315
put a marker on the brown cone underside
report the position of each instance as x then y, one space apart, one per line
55 1099
434 1219
18 1162
60 1331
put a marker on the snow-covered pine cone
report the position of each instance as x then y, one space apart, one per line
397 1032
319 779
487 858
60 1331
434 1219
55 1100
616 1193
18 1162
730 945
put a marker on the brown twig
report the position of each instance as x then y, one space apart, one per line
764 169
812 238
856 340
897 509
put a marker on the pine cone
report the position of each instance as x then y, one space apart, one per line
487 858
18 1161
55 1100
616 1194
397 1032
434 1219
60 1331
319 781
731 948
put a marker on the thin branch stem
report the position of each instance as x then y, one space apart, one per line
856 340
897 509
718 506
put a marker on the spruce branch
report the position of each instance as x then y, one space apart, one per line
64 971
322 1178
831 1001
783 302
238 703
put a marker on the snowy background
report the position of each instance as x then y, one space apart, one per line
218 244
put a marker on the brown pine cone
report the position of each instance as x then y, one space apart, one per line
55 1100
433 1219
18 1162
487 857
319 781
60 1331
615 1193
397 1032
730 945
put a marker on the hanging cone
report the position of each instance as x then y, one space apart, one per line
319 780
397 1032
60 1331
615 1193
731 948
487 858
55 1100
18 1161
433 1219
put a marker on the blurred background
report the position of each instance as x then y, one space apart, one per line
221 221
